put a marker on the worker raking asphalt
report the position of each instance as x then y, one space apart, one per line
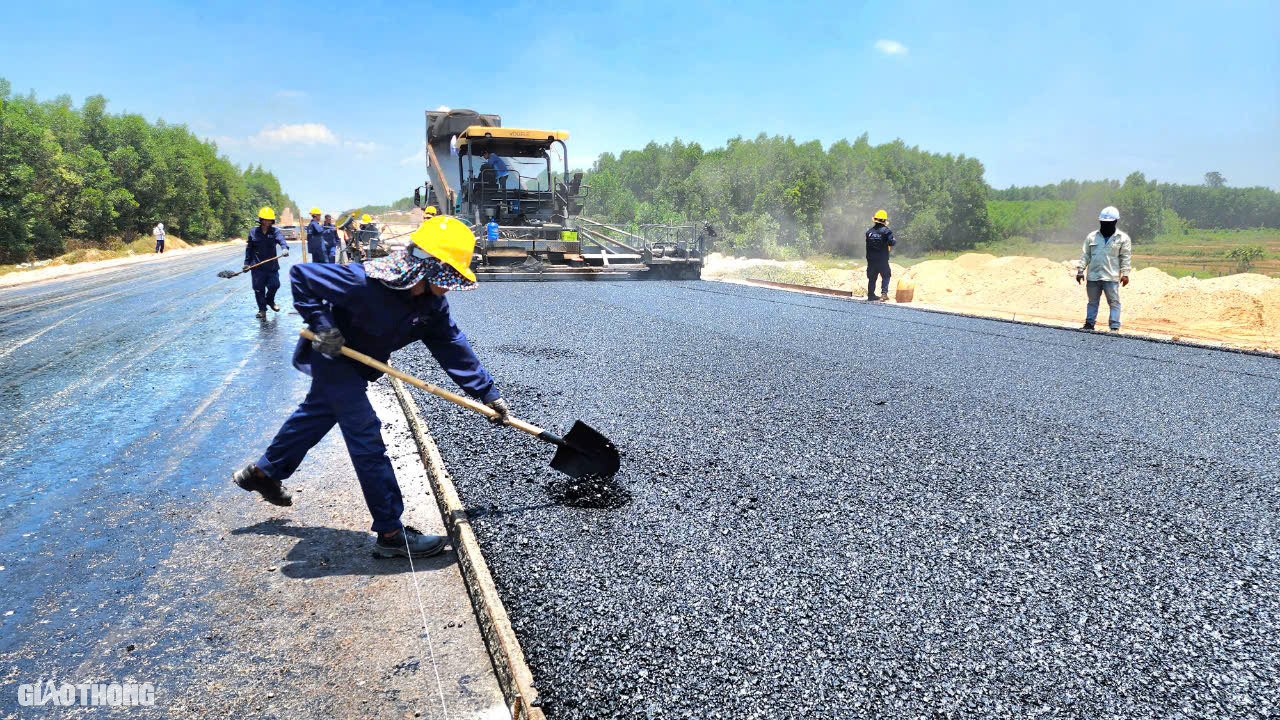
839 509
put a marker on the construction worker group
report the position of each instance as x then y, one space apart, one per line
1105 260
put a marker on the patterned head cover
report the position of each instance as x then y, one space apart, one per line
400 270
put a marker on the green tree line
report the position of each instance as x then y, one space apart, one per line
85 174
1147 208
403 204
776 197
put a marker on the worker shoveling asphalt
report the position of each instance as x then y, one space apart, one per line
583 453
379 307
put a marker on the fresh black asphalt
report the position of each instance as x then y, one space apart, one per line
836 509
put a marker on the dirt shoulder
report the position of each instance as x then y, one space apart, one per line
57 269
1240 311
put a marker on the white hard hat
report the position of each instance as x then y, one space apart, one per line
1109 214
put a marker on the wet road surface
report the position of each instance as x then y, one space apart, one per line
849 510
129 396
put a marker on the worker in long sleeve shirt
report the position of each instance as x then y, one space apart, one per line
879 241
376 308
330 239
315 238
262 244
1106 259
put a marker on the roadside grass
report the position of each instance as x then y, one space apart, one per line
83 251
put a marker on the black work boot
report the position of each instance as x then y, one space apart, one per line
1087 326
408 542
254 480
275 307
261 314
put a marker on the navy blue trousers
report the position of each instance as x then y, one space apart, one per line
878 267
317 252
337 396
266 281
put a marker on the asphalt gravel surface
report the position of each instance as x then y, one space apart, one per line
836 509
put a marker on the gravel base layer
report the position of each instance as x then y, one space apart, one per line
833 509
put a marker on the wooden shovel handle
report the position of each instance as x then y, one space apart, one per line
264 262
439 392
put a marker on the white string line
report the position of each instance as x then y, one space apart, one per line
430 647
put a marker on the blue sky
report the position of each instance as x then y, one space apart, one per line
330 96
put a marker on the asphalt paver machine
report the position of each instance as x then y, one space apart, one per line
480 171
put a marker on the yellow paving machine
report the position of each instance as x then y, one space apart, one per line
519 178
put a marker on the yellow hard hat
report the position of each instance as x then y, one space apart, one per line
365 218
266 213
882 215
431 210
315 211
449 240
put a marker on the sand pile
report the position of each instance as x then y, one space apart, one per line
854 279
1240 309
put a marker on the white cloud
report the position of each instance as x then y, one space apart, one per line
300 134
360 146
291 93
891 47
443 108
417 158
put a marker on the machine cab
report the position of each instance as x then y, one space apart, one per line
507 174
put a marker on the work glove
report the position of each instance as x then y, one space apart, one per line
1079 277
1124 281
244 269
329 341
504 412
285 253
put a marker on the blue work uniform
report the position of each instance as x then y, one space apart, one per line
491 231
331 242
266 279
316 242
879 240
377 321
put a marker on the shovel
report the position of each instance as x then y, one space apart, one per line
582 453
229 274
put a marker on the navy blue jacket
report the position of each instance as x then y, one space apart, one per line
260 247
330 238
377 321
316 241
879 240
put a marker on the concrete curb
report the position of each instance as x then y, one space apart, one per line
809 290
504 649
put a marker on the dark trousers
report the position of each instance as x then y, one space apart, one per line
878 267
265 284
160 244
337 396
318 252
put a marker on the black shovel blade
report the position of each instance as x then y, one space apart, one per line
586 453
226 274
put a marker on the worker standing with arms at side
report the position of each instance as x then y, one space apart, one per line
368 235
330 239
315 238
879 241
262 244
376 308
158 231
1105 259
